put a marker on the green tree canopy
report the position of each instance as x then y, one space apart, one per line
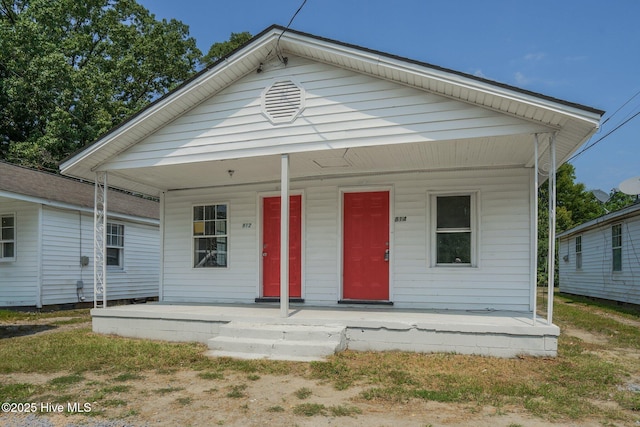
575 205
71 70
220 50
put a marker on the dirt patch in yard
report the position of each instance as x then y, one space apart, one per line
195 398
183 398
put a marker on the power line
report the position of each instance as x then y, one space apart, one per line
621 107
604 136
283 59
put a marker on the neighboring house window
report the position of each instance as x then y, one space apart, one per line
115 245
616 246
210 238
8 237
454 239
579 252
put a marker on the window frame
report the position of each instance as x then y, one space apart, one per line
578 248
194 237
118 245
616 248
12 240
473 228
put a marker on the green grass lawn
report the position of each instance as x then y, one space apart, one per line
568 387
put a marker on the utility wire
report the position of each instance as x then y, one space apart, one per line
621 107
604 136
283 31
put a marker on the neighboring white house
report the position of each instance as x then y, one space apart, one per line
601 258
408 185
46 246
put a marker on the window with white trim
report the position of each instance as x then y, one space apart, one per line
115 245
210 236
454 242
578 252
7 237
616 247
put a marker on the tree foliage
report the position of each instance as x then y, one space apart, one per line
575 205
71 70
219 50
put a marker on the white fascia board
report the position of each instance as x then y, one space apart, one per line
445 77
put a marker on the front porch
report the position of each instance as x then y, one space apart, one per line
227 329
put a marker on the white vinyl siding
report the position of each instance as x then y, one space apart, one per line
501 280
48 259
19 279
597 277
342 109
68 235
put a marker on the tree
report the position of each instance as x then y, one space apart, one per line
574 206
618 200
218 51
70 70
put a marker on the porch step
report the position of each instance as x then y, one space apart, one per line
245 340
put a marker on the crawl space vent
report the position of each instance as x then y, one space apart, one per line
283 101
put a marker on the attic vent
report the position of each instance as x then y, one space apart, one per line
283 101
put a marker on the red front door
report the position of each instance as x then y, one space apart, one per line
271 247
366 245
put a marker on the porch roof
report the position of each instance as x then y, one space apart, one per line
572 123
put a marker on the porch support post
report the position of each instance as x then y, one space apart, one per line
284 236
552 226
534 228
99 241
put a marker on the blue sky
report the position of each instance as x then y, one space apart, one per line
583 51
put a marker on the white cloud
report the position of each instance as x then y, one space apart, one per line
538 56
521 79
479 73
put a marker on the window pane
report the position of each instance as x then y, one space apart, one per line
454 248
113 256
454 212
210 212
617 259
616 236
579 260
7 221
198 228
221 227
7 250
198 213
210 252
221 212
7 234
210 228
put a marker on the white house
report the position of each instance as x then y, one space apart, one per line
601 258
398 184
46 245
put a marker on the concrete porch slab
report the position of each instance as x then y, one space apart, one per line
490 333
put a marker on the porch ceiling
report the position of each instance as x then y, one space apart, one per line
495 152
